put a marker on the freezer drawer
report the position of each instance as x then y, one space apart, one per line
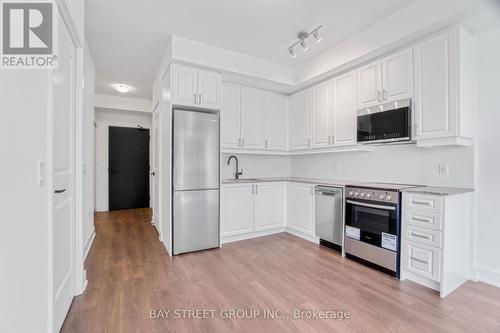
195 150
196 220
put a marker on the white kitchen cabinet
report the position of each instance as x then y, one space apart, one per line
230 116
208 89
321 111
300 208
251 209
369 85
253 115
397 76
195 87
344 120
268 206
386 80
276 121
445 101
237 209
299 134
435 241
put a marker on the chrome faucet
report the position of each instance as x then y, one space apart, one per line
237 173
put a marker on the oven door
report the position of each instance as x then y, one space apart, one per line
373 223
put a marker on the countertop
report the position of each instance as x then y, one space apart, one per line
317 181
429 190
440 191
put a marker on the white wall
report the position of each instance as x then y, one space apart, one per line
105 118
88 150
397 164
256 166
122 103
488 197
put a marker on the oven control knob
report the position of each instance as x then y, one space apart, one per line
350 193
356 194
381 197
388 198
368 195
361 194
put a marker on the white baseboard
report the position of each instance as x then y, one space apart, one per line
88 244
488 276
235 238
101 209
302 235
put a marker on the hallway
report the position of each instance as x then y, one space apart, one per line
129 273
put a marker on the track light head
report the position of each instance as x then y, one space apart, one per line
316 36
292 52
304 45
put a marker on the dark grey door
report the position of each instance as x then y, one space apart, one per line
128 168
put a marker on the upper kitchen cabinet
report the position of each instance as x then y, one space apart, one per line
386 80
397 76
299 120
344 110
230 116
369 85
445 89
276 121
253 115
195 87
321 113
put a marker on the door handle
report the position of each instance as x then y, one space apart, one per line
60 191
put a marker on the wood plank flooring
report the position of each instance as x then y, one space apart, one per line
130 273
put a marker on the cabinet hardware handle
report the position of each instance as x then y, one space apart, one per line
312 191
329 140
384 94
253 189
200 99
421 219
419 260
239 142
243 142
378 95
420 235
194 98
256 189
60 191
266 143
421 203
309 143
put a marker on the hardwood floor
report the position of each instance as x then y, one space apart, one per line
130 273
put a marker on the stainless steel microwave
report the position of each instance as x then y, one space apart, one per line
390 122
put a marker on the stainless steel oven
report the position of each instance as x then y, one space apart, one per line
390 122
372 226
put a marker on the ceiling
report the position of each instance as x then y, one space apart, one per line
127 38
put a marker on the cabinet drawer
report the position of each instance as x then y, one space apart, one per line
422 219
427 203
422 260
423 236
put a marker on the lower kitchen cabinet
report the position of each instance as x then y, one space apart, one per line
250 210
300 208
436 244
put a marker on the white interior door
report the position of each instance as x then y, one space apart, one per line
63 242
156 168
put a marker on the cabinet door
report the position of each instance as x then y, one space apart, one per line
320 115
184 81
268 206
344 110
208 89
276 121
299 121
397 76
369 85
237 209
230 116
435 102
300 203
253 117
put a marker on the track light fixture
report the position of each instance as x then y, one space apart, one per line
302 37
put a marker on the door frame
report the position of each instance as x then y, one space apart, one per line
80 273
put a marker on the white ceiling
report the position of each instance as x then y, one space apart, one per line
127 38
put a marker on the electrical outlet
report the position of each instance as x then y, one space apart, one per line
444 169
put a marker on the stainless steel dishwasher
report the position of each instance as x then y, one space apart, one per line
329 214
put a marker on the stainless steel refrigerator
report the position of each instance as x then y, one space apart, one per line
195 182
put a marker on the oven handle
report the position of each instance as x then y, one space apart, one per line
371 205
